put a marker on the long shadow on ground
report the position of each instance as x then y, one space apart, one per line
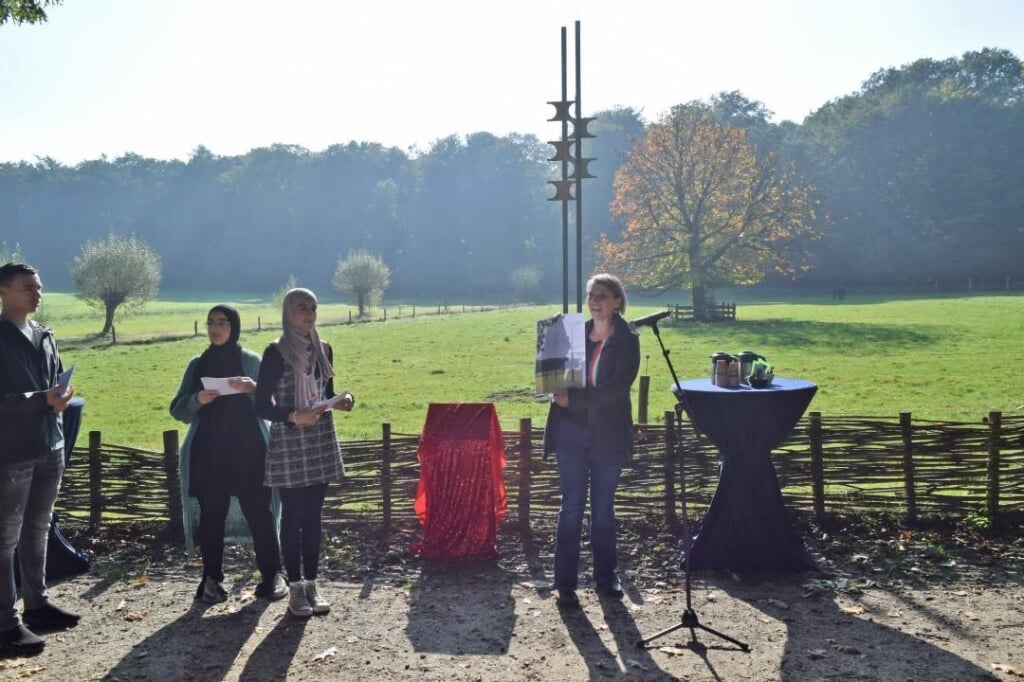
461 608
195 646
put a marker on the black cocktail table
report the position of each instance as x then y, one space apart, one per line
746 525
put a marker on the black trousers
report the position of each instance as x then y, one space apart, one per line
300 530
213 514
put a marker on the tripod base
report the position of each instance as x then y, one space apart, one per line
690 620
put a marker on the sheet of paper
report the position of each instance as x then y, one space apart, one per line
64 378
561 353
218 384
330 402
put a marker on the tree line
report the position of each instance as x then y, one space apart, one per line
911 178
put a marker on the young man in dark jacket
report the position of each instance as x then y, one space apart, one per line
31 458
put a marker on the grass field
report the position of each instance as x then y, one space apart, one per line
940 358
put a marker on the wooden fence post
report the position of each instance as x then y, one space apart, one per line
995 434
259 323
195 327
671 520
385 476
175 523
525 472
817 465
95 481
642 399
908 464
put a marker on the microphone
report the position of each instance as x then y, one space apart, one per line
651 319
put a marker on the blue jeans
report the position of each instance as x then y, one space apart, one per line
578 472
27 492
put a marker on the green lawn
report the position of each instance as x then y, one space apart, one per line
940 358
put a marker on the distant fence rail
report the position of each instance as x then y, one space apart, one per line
717 311
378 314
828 465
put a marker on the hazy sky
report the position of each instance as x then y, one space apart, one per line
159 78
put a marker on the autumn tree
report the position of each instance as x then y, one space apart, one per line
116 272
702 209
364 276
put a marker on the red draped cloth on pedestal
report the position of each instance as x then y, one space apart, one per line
461 498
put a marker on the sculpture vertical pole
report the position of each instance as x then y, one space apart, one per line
570 149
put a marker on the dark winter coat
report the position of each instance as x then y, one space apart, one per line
28 425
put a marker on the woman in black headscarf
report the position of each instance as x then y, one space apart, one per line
223 455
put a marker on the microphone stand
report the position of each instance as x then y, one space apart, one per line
689 618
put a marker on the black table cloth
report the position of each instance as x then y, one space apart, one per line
746 525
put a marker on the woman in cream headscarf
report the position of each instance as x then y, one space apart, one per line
295 379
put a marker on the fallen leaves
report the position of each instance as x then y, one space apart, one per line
818 654
815 588
29 672
1007 668
846 649
633 663
130 616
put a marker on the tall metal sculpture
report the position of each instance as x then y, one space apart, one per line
569 150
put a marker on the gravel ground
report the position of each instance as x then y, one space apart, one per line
891 604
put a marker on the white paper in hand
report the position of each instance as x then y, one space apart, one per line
64 379
219 384
331 402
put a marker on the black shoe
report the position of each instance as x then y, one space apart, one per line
567 599
612 589
49 617
272 588
211 591
21 641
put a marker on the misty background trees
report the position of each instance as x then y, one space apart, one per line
912 180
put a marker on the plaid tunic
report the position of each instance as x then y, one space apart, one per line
299 457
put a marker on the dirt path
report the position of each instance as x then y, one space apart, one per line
901 606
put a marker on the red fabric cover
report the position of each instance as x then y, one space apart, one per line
461 498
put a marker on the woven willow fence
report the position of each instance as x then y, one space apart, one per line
829 465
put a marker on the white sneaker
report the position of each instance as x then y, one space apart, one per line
316 602
298 605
